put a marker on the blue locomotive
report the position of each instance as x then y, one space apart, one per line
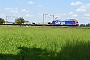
65 22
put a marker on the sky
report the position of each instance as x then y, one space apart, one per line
33 10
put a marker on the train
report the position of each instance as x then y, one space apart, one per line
67 22
59 22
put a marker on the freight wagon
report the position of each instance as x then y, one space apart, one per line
73 22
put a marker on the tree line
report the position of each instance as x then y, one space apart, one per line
17 21
85 25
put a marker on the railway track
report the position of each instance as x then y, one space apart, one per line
35 25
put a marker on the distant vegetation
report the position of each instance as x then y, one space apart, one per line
2 21
19 20
85 25
43 43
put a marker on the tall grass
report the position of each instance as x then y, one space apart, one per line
51 43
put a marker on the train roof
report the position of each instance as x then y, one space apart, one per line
65 20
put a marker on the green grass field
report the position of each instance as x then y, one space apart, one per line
44 43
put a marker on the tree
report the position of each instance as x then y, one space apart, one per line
2 21
19 21
88 25
82 25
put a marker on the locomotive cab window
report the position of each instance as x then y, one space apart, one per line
76 22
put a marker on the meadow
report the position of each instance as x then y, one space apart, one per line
44 43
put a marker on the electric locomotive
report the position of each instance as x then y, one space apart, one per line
66 22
